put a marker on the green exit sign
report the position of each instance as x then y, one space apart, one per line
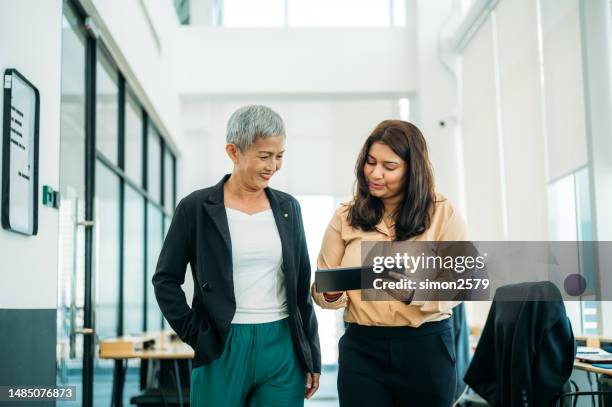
50 197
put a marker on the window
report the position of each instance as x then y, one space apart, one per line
182 10
570 220
71 265
466 5
167 221
106 271
311 13
168 180
339 13
107 255
404 109
133 262
317 211
155 235
249 13
133 139
123 205
107 108
154 164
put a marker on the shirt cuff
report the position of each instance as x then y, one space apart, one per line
320 300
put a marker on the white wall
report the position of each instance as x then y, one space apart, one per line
30 32
324 66
287 61
484 197
517 131
324 137
436 97
521 107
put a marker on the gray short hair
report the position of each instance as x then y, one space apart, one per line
253 121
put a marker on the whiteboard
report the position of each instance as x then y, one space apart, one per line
20 154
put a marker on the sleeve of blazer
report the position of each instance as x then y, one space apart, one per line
304 302
170 275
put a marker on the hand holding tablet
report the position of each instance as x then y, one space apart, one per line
336 280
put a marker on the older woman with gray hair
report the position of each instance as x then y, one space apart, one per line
251 322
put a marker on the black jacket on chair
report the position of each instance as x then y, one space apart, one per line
199 236
526 351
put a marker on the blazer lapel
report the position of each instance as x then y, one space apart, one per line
215 207
283 216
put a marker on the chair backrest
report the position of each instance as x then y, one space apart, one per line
526 351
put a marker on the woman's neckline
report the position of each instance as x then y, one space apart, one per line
250 215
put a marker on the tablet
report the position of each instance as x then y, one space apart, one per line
338 279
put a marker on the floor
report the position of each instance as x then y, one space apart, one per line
326 396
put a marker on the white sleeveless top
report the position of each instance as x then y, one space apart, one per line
257 256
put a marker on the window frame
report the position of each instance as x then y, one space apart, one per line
94 46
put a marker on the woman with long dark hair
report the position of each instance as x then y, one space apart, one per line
393 353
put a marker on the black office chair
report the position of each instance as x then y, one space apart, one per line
604 397
170 387
526 351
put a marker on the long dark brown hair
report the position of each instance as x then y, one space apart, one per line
413 215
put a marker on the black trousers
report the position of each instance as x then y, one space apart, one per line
397 366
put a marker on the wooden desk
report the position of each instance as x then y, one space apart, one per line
593 342
130 347
177 351
587 367
171 350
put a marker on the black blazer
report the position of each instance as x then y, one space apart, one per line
199 236
526 351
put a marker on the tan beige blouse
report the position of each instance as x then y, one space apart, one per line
341 247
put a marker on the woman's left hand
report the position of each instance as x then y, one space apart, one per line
312 384
399 294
